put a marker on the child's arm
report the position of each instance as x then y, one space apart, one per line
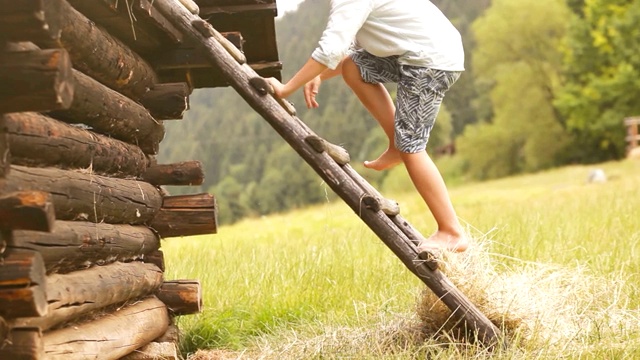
310 76
308 72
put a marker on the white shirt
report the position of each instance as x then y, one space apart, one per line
416 30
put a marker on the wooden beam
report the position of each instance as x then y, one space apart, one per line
26 210
128 121
116 65
112 336
74 245
182 297
30 20
70 296
186 215
294 131
39 141
154 16
167 101
178 174
35 80
85 196
22 284
23 344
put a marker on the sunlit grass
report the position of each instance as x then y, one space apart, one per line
319 280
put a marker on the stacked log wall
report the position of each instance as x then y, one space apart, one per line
82 210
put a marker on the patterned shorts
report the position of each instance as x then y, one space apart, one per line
420 93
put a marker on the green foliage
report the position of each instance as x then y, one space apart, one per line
460 98
517 60
602 70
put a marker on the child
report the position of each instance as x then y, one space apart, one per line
408 42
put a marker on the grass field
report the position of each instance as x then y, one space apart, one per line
555 259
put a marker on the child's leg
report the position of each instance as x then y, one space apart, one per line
377 100
431 186
422 170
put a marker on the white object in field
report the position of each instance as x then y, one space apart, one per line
597 176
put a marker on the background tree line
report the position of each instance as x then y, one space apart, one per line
547 83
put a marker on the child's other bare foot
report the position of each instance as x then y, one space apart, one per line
441 240
388 159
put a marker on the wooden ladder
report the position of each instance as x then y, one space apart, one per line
331 162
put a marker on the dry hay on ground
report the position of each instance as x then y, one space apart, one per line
537 306
542 309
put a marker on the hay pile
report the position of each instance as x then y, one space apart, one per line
537 306
545 311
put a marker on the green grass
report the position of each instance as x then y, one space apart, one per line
317 283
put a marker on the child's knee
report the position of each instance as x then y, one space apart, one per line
350 71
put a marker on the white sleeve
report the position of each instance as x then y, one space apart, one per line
345 20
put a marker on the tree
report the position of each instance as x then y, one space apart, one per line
602 73
518 61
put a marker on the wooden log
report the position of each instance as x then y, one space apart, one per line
4 330
37 140
27 210
167 101
112 336
124 21
22 284
30 20
186 215
124 119
101 56
154 351
172 335
156 258
35 80
147 10
79 293
84 196
294 132
182 297
191 6
23 344
74 245
181 174
5 154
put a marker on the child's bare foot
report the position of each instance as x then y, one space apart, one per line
445 241
388 159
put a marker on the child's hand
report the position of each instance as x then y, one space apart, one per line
278 87
310 91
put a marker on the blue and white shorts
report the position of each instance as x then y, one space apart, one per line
420 94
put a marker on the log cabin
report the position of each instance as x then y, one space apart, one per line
85 88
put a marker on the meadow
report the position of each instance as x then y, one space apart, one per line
554 261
